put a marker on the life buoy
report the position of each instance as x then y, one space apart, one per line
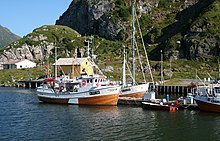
97 84
83 82
111 84
61 88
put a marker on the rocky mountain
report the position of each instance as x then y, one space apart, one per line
181 28
39 46
92 17
6 36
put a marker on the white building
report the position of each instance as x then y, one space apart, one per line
18 64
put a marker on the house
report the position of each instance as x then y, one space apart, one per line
75 67
18 64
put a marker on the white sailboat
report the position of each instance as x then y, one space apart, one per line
134 90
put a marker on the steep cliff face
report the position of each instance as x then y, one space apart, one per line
89 17
203 37
195 34
105 18
110 18
169 24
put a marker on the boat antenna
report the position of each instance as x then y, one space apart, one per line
73 63
161 71
55 62
88 47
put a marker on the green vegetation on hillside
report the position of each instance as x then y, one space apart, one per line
61 36
209 24
170 22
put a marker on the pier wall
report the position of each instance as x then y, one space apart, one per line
173 91
30 84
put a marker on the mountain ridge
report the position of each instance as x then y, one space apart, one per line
6 36
196 39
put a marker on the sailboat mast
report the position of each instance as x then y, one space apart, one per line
55 63
124 69
133 48
161 71
218 69
73 63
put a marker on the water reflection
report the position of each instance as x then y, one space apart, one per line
17 90
99 108
23 117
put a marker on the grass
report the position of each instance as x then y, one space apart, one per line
184 70
11 76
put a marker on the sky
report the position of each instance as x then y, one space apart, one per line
21 17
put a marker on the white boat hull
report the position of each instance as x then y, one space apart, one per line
136 91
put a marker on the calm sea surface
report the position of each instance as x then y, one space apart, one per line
23 117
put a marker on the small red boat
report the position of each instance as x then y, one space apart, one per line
159 106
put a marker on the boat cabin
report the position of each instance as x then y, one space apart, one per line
83 83
75 67
216 91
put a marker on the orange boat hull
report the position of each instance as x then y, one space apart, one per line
134 95
100 100
109 99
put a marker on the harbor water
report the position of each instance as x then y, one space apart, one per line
24 118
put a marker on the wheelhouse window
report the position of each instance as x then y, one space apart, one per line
126 90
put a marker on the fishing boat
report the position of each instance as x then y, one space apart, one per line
209 99
85 90
93 89
159 106
134 90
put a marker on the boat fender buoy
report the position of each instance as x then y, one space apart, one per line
84 83
61 87
97 84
